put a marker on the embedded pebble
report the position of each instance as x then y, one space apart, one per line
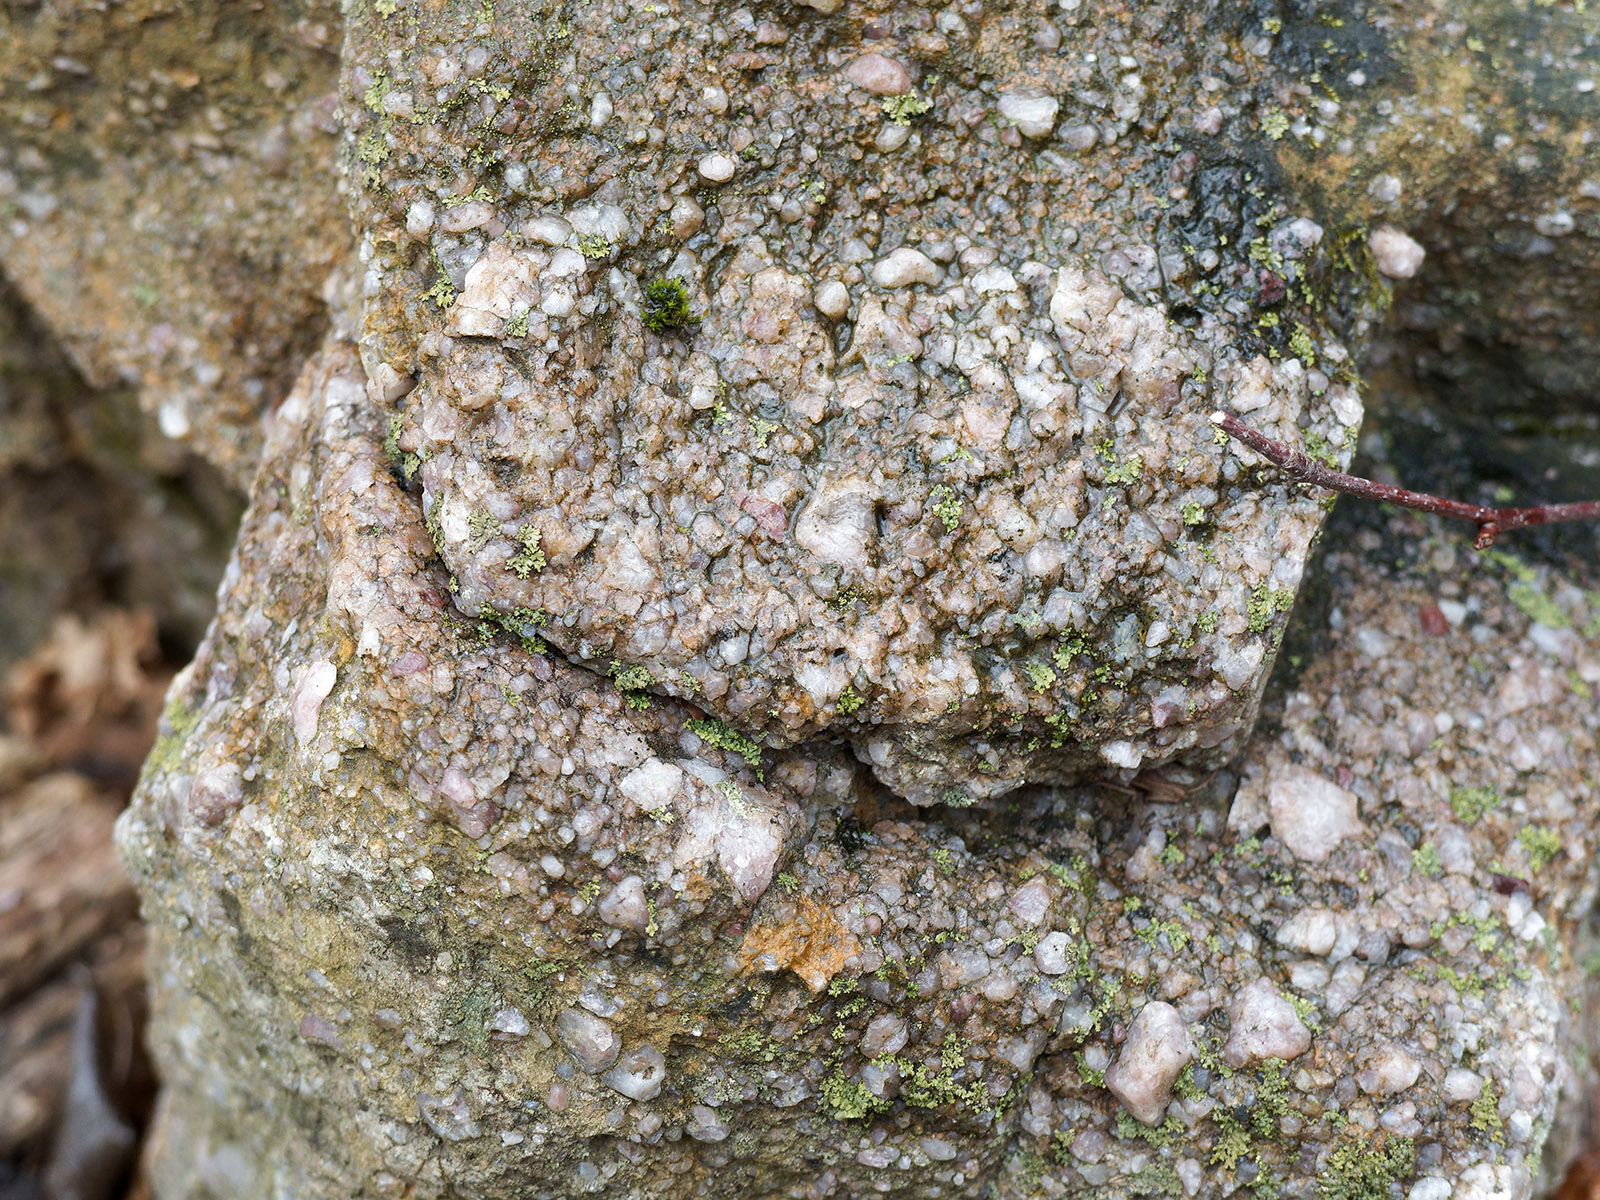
1389 1069
588 1039
1311 930
1032 112
1311 815
215 793
832 299
1261 1025
1155 1052
904 267
705 1124
1395 253
717 168
638 1074
879 74
1053 954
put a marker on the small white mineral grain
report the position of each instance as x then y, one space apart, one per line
1156 1051
832 299
1262 1025
1396 254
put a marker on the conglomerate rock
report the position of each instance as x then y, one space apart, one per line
828 370
437 914
731 387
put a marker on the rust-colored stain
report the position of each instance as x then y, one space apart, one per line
801 936
1583 1179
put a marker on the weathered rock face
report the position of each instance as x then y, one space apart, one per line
822 370
505 933
168 199
727 390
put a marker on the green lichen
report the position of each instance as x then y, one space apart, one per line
946 505
530 557
1266 603
1119 470
1469 804
901 109
724 737
407 463
592 245
849 701
481 526
1425 860
177 723
666 305
1042 676
1367 1172
1484 1116
1194 513
1541 844
848 1099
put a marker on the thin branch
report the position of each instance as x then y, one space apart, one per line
1490 521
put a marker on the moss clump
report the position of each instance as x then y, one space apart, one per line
1366 1172
666 305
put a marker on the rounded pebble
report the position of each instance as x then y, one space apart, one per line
1396 254
878 74
832 299
1031 111
1263 1025
638 1074
904 267
716 168
590 1041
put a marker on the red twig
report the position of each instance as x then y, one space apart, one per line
1490 521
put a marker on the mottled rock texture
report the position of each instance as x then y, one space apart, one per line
750 449
169 199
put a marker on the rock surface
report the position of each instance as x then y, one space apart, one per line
746 451
916 457
830 990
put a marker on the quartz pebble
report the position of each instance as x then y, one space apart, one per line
590 1041
1395 253
638 1074
1155 1052
904 267
1033 113
717 168
1262 1025
1311 815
